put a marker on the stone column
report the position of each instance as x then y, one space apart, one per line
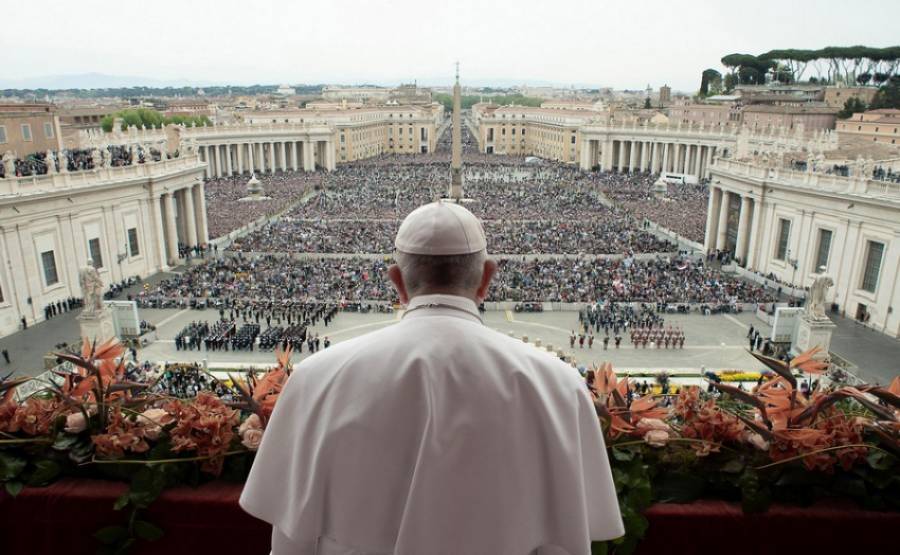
584 162
190 218
159 234
701 152
308 161
632 156
283 159
722 235
329 156
665 162
250 158
220 161
712 218
228 160
204 157
740 249
262 157
295 152
272 162
210 169
754 235
240 157
199 193
621 166
171 232
654 157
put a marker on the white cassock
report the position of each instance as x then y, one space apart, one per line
434 436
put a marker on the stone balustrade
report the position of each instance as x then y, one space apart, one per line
36 184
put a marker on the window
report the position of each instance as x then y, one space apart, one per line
573 139
133 247
823 250
49 263
2 134
26 132
874 253
784 233
48 130
94 252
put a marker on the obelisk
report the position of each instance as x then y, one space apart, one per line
456 181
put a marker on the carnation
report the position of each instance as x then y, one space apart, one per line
76 423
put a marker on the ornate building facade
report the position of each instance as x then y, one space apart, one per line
128 221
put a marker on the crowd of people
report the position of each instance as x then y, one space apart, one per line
268 280
681 210
603 235
226 211
80 159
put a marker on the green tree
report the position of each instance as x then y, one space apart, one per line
888 96
647 104
708 82
148 118
852 106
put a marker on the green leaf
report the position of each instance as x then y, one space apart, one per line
121 502
622 455
146 486
111 534
13 487
879 460
65 442
755 498
599 548
147 531
45 471
679 487
10 466
734 466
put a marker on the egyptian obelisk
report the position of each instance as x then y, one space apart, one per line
456 179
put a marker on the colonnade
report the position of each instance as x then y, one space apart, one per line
729 211
179 218
653 156
266 156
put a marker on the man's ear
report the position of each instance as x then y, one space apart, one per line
490 268
397 279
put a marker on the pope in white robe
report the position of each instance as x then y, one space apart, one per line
436 435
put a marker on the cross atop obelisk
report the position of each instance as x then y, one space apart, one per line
456 151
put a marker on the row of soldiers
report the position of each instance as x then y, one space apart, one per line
587 336
618 317
190 338
289 311
220 335
661 337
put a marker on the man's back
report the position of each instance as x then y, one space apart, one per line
434 435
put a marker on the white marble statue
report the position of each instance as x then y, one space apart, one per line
815 301
96 158
91 289
50 160
9 164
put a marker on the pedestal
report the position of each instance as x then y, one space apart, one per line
98 325
812 333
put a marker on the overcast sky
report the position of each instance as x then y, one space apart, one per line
623 44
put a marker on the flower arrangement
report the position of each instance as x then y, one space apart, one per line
779 442
97 423
776 443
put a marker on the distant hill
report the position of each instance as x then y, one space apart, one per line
91 81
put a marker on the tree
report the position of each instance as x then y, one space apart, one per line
888 96
148 118
730 82
647 104
709 80
853 106
864 78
